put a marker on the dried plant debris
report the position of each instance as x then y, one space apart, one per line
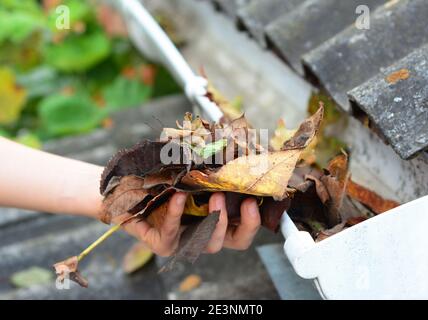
327 202
67 269
199 157
194 240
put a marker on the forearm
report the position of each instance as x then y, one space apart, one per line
40 181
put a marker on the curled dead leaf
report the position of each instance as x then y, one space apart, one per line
68 269
127 193
369 198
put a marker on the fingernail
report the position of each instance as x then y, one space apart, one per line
218 203
181 199
253 208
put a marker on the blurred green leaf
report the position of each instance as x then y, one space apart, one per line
164 83
16 26
41 81
30 277
23 5
24 56
210 149
4 133
12 97
30 140
61 115
123 93
78 53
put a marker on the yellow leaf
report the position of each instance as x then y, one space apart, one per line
264 174
136 257
190 282
12 97
191 208
281 135
231 110
261 175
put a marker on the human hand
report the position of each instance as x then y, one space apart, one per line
164 240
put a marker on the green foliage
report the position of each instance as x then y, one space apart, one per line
42 81
17 26
62 115
30 140
164 83
124 93
30 277
56 82
78 53
210 149
23 5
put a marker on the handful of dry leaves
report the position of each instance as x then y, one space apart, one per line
200 158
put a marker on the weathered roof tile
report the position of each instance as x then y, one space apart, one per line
354 56
230 7
396 101
319 39
257 14
309 25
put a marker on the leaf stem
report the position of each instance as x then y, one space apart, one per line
94 244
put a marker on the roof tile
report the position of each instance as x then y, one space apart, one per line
396 101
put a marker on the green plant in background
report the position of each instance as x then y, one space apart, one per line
56 82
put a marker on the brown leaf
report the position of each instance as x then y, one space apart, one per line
322 191
324 234
144 209
124 197
136 258
190 282
335 183
68 268
194 240
163 177
271 212
306 206
142 159
369 198
157 217
299 181
113 183
306 132
233 206
281 135
329 232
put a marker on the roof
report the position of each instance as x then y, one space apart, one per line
320 41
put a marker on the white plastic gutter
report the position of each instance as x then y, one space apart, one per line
152 41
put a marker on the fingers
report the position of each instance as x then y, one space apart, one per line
217 202
242 236
164 241
169 231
